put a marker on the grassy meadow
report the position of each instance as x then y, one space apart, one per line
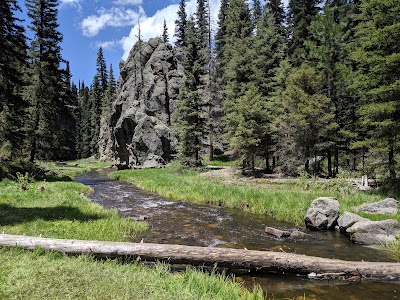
59 208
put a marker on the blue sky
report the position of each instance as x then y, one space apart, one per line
88 24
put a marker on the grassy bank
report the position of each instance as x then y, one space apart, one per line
287 201
60 209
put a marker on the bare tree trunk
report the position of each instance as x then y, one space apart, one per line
261 261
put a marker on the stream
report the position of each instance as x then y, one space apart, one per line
177 222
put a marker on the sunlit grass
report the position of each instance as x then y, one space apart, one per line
76 167
43 275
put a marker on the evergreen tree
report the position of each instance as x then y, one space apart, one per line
377 54
110 95
256 11
95 101
165 33
220 38
308 119
300 15
102 73
275 7
45 88
13 61
190 112
180 25
327 50
237 56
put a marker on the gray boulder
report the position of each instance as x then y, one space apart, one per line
138 131
298 235
374 232
348 219
385 206
322 214
277 233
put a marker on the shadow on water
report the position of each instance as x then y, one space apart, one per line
177 222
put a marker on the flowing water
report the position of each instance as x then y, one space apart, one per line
177 222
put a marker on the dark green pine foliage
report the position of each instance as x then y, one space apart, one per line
13 60
69 110
84 128
180 25
220 38
275 7
111 94
300 15
327 51
256 11
46 81
269 48
102 73
237 61
95 104
165 33
377 54
190 114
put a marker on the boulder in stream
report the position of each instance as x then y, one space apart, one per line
369 232
298 235
348 219
385 206
277 233
322 214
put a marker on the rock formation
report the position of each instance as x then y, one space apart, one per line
322 214
138 132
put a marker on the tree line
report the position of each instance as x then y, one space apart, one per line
316 85
43 114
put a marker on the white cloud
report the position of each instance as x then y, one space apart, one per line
74 3
108 45
153 26
114 17
128 2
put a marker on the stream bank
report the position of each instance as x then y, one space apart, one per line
177 222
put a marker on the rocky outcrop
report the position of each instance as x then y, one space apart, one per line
322 214
385 206
139 132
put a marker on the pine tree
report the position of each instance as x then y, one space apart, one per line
180 25
13 62
327 50
190 112
45 88
102 73
165 33
95 100
256 11
275 7
300 15
308 119
377 54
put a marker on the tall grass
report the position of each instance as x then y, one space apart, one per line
43 275
285 201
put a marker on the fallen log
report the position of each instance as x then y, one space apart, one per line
260 261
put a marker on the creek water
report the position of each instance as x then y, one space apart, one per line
178 222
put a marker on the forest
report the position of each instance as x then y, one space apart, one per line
313 88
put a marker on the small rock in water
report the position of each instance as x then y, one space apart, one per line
277 233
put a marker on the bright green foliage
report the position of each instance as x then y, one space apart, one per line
252 117
300 15
180 25
378 82
190 112
308 119
45 86
13 61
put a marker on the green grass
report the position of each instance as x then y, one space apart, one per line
41 275
60 209
284 201
76 167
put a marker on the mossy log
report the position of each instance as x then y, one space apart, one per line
259 261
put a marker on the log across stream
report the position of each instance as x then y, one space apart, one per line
260 261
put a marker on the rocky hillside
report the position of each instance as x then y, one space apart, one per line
138 133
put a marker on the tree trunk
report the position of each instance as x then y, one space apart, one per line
260 261
392 172
329 164
336 161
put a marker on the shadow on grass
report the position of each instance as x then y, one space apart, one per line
10 215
